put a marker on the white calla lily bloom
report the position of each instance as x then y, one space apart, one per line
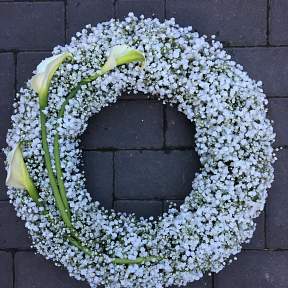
18 175
122 54
40 82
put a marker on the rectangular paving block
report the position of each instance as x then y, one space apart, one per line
278 111
13 233
7 82
98 167
265 64
140 208
81 13
154 174
229 20
278 22
255 269
6 270
152 8
179 130
258 239
31 25
35 271
26 63
126 124
277 206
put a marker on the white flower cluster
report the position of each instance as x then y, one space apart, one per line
233 140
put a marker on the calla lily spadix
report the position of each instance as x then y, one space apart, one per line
40 82
18 175
122 54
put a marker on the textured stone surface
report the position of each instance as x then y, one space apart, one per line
265 64
278 111
81 13
257 269
6 270
229 20
33 271
180 131
31 25
278 22
154 174
98 167
26 64
277 208
126 124
7 82
152 8
12 231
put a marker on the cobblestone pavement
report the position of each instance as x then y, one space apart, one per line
138 153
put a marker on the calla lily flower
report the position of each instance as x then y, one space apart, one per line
122 54
18 175
40 82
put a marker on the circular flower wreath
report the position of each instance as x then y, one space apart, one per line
233 140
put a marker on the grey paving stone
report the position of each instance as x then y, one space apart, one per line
154 174
256 269
98 167
31 25
265 64
12 231
180 131
7 94
81 13
26 64
258 239
278 111
35 271
229 20
277 207
152 8
278 22
166 204
126 124
140 208
6 270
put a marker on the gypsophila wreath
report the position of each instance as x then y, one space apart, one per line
233 140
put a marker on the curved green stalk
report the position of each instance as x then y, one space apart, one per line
58 199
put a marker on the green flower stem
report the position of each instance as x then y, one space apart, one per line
139 260
56 192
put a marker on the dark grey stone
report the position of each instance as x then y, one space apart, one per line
154 174
7 79
6 270
278 111
152 8
180 131
81 13
126 124
277 207
266 64
255 269
12 230
140 208
31 25
26 64
278 22
98 167
229 20
258 239
37 272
